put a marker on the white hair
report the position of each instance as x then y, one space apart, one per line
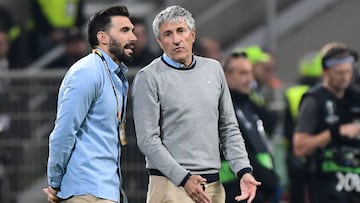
173 14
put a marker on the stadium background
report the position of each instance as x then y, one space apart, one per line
287 28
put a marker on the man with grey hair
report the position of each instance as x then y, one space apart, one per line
183 116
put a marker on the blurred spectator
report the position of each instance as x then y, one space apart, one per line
4 82
52 20
268 93
4 61
8 24
270 86
271 79
209 47
263 73
142 53
76 47
4 50
17 53
239 76
310 72
262 66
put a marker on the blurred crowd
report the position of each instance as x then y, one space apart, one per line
48 27
57 23
275 103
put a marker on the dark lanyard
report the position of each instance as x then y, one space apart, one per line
120 114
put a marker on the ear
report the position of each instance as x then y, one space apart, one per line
159 42
102 38
193 33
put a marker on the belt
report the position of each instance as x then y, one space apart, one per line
210 178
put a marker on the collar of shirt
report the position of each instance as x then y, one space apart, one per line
114 67
175 64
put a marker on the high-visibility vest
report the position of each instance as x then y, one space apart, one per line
60 13
14 32
226 174
294 95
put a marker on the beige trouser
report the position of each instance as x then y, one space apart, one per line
86 199
163 190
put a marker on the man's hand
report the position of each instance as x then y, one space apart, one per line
248 186
51 195
194 190
350 130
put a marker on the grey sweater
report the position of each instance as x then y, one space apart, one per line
183 117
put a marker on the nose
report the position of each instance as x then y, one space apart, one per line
133 37
176 39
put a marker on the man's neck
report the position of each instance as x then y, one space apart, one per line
112 56
339 93
115 59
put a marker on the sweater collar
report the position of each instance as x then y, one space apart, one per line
175 64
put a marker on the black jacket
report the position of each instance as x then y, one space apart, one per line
253 132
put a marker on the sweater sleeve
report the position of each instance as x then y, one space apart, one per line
231 141
146 112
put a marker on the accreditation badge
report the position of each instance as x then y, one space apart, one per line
122 133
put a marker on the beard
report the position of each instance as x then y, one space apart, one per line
117 50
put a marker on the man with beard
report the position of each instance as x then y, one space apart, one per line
183 117
85 144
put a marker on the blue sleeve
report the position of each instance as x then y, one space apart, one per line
77 92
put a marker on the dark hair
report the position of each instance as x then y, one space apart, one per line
233 55
101 21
